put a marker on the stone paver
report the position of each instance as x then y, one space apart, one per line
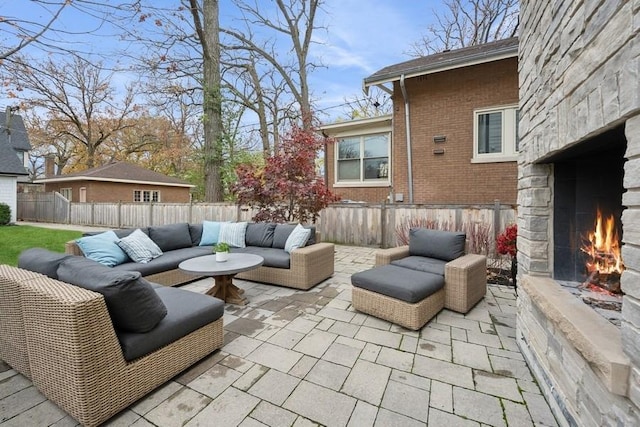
307 358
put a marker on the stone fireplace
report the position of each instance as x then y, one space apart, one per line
579 66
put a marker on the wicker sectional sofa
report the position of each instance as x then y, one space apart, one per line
411 284
303 268
66 339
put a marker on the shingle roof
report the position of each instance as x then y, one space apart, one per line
120 172
447 60
19 137
10 164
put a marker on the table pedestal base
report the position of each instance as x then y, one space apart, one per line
225 290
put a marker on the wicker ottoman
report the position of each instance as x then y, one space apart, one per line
406 297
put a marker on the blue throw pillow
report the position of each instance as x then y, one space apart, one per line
210 233
103 248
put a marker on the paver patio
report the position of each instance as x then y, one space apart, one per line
306 358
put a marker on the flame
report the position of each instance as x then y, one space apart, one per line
603 247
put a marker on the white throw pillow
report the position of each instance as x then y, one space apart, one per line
297 239
139 247
233 233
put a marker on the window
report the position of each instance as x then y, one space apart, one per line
146 196
66 193
495 135
363 159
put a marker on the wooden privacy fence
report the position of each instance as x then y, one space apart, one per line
379 225
359 224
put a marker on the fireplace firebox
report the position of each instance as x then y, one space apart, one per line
588 188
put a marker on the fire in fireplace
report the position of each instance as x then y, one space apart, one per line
604 261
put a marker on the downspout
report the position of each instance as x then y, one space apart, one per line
407 123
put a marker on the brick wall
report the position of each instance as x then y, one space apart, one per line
112 192
8 192
444 104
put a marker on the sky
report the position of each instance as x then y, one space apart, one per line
361 37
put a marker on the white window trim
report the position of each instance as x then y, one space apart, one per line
70 190
362 183
509 153
150 196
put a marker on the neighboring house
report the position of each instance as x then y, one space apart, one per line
14 148
454 120
118 182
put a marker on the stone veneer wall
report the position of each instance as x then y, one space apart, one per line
579 66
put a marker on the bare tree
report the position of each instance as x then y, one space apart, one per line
295 22
375 103
79 100
467 23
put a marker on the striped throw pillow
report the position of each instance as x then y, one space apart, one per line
139 247
233 234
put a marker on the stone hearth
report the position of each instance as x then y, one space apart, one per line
579 68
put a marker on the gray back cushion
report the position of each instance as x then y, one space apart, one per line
260 234
132 302
41 261
124 232
281 234
195 230
444 245
171 236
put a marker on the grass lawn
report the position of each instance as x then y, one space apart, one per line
17 238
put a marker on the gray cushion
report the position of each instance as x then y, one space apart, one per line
124 232
312 237
444 245
420 263
171 236
132 303
400 283
41 261
281 234
186 312
195 230
276 258
166 261
260 234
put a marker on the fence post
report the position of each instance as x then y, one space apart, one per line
93 206
496 219
383 225
150 213
119 216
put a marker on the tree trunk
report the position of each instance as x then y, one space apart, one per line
212 104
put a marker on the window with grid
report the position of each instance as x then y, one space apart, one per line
146 196
363 158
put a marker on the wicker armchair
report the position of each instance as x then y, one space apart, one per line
465 278
62 337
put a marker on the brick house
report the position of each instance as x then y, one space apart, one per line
454 120
14 146
117 182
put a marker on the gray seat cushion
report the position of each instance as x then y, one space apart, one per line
186 312
171 236
42 261
166 261
420 263
132 303
398 282
444 245
276 258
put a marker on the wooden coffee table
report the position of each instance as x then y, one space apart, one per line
223 273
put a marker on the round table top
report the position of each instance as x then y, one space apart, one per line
208 266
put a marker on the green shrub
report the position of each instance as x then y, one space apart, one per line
5 214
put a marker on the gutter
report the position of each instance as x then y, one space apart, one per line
407 123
